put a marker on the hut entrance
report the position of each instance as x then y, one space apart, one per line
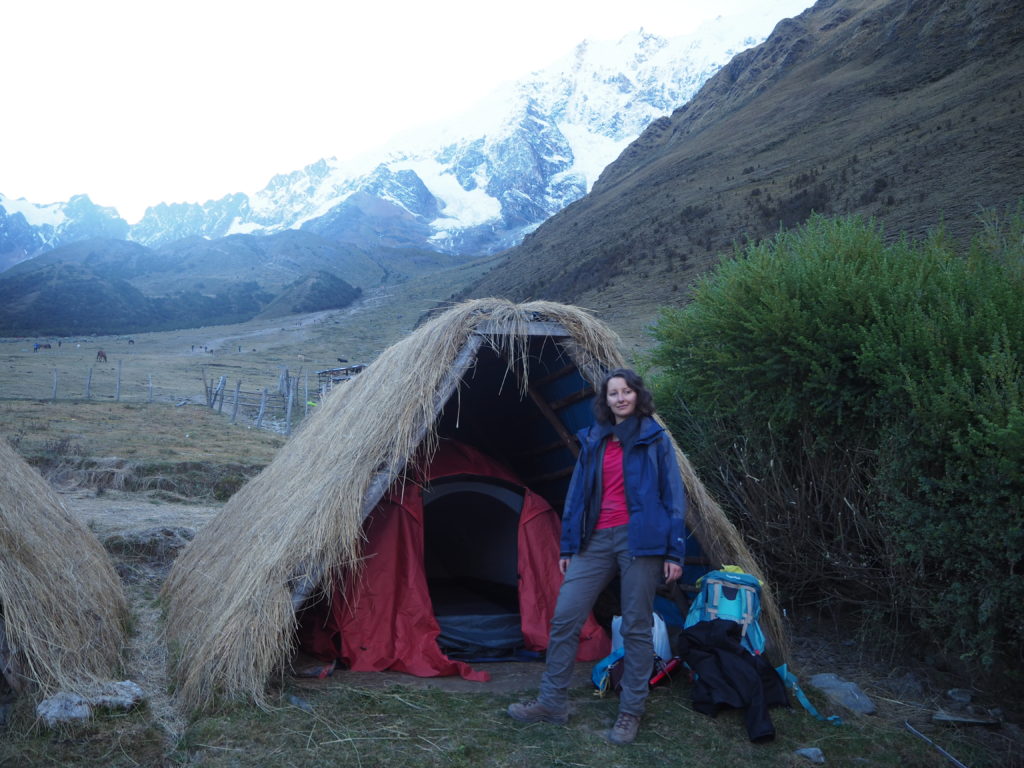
461 563
470 554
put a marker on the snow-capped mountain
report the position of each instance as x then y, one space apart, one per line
481 181
27 229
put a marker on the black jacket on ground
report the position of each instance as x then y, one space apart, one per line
727 675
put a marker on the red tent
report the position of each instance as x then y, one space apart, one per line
386 618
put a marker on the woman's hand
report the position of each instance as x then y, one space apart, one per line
673 571
563 564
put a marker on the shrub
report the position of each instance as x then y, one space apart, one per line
861 405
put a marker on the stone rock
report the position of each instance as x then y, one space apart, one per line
161 543
813 754
63 707
909 686
67 707
843 693
122 695
963 718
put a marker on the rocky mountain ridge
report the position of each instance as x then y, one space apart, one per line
907 113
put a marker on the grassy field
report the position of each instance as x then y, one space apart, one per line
340 725
139 432
176 362
145 425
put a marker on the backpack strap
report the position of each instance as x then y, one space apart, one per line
716 597
793 684
748 609
748 597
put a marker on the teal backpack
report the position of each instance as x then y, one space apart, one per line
732 595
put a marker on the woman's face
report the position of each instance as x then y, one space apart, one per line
621 398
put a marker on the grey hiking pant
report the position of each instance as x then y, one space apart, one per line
590 571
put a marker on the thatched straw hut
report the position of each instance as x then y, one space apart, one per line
511 380
63 613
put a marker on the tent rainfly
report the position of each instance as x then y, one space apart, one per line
499 385
63 614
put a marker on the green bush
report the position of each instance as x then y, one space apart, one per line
859 406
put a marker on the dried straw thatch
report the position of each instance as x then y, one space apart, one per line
63 613
231 613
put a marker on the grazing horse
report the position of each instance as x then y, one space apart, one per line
101 356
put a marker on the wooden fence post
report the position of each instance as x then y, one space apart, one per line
117 389
305 389
150 398
288 406
54 384
263 408
88 384
221 385
234 410
207 389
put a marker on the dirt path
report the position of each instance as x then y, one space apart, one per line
119 513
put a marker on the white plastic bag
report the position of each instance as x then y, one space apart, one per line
659 634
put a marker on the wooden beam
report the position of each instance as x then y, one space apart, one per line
575 397
556 375
533 328
540 450
552 417
538 480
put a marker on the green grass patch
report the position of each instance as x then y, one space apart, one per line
110 740
331 724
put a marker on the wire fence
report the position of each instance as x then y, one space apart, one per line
277 406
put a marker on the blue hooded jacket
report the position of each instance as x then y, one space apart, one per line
655 494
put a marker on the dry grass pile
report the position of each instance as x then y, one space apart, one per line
230 617
64 613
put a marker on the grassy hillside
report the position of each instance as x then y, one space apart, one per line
112 286
906 112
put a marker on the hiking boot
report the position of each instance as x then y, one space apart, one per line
624 730
533 711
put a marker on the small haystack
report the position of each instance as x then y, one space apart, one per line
233 594
63 613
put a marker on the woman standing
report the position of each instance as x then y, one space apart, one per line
623 516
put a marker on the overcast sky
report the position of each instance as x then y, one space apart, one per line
135 102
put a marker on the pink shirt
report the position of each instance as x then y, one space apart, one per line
613 496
